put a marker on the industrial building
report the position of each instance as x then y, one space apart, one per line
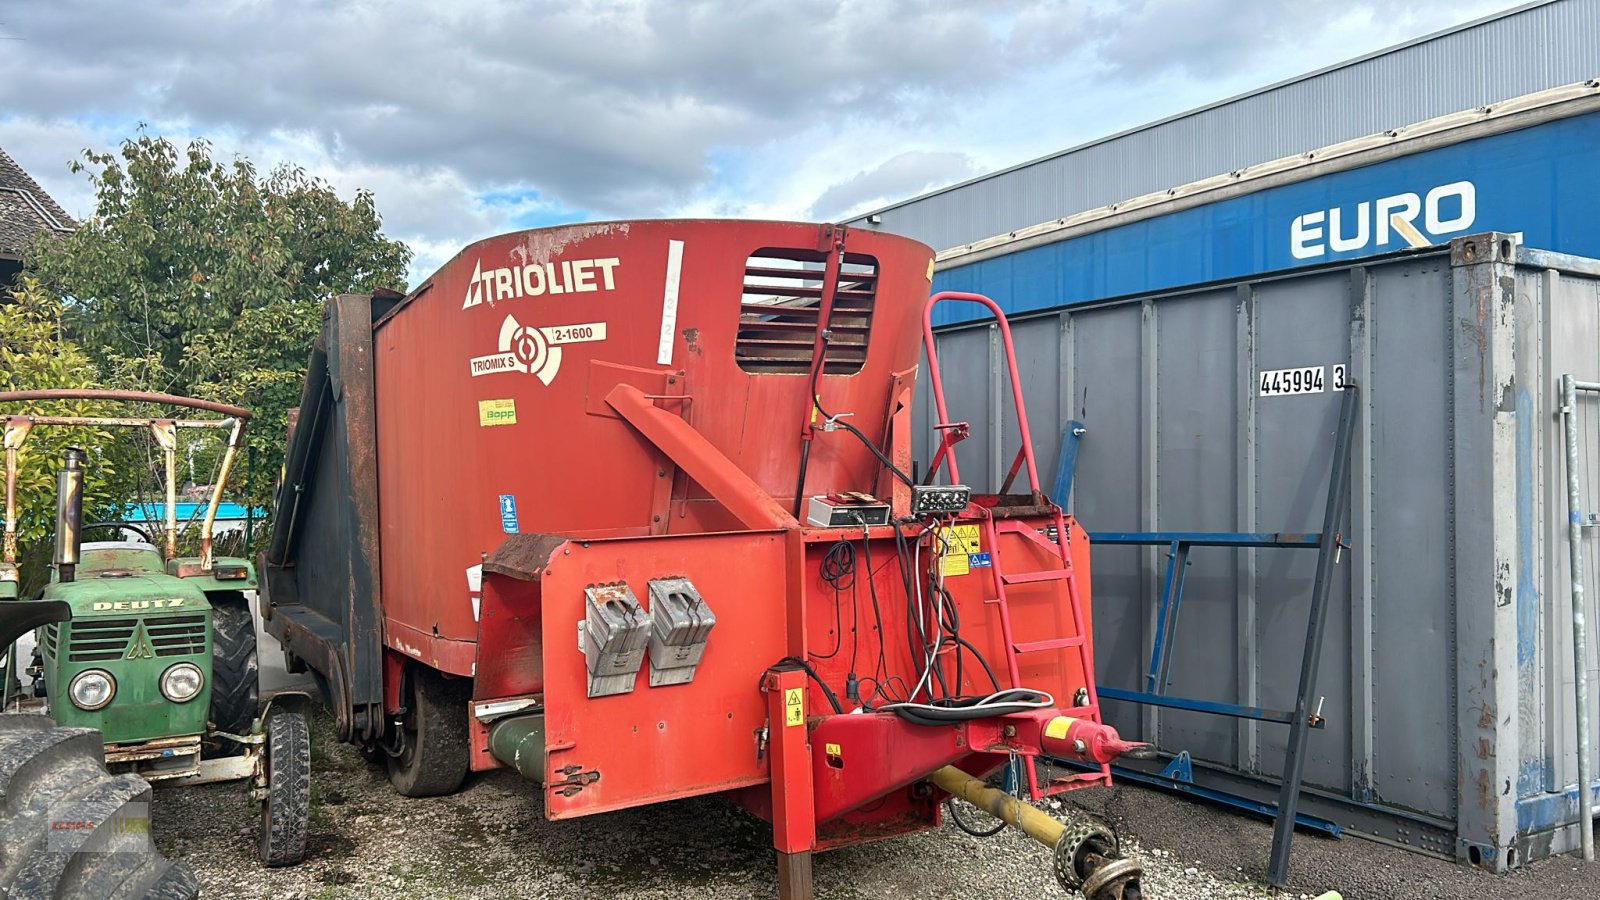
1192 301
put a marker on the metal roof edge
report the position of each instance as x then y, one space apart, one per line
1254 92
1453 128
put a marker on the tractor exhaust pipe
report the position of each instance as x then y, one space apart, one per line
69 514
1087 858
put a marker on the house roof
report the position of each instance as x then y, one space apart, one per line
25 209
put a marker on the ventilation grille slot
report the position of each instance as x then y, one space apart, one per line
178 635
779 308
99 639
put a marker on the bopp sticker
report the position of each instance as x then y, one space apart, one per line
497 412
508 513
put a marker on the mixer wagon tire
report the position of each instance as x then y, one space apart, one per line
433 759
287 809
234 670
68 828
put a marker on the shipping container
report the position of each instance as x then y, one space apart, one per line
1447 674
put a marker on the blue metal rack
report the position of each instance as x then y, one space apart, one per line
1329 543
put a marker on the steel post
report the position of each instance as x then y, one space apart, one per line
1580 648
1327 560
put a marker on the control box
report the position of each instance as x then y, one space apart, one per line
939 499
846 510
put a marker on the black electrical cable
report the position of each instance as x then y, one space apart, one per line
881 670
966 709
838 570
832 698
999 825
867 442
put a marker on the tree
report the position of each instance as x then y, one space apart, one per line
201 277
36 354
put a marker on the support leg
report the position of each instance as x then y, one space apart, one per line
794 822
794 875
1327 559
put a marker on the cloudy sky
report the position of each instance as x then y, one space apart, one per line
472 117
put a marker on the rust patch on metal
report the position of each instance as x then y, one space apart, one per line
523 556
691 339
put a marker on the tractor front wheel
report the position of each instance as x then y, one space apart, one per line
234 684
433 757
286 810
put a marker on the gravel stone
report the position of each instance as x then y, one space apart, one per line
491 840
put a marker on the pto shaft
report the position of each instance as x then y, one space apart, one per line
1086 854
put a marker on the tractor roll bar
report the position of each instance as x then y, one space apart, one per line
125 397
165 432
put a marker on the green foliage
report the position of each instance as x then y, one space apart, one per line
202 277
36 354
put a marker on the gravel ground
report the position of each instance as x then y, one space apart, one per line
491 840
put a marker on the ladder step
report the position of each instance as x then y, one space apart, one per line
1052 644
1032 577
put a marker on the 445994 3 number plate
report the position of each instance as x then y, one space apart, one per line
1304 380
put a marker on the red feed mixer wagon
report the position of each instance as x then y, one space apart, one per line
630 508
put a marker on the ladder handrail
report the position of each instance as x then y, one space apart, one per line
937 384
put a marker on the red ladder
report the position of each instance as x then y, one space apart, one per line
993 529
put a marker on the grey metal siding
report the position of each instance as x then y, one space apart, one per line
1519 52
1447 672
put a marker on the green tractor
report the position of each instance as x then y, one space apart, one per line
159 651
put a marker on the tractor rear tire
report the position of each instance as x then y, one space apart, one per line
235 690
434 758
287 810
68 828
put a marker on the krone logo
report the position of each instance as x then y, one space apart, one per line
535 350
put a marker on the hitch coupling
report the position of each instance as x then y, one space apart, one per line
1087 856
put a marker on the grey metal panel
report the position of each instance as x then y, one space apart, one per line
965 362
1195 361
1038 343
1107 341
1413 627
1518 52
1299 322
1574 347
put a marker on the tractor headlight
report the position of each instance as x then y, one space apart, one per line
92 689
182 682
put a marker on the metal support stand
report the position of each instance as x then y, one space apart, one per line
1329 547
1329 544
1580 640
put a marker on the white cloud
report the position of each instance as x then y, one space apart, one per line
469 118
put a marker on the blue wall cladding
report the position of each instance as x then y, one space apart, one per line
1542 181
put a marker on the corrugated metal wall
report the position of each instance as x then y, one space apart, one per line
1447 662
1506 56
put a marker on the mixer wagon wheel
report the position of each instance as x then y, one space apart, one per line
433 740
234 670
286 808
72 829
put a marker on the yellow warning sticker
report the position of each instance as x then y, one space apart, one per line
832 750
1057 728
960 543
964 539
497 412
794 707
930 270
